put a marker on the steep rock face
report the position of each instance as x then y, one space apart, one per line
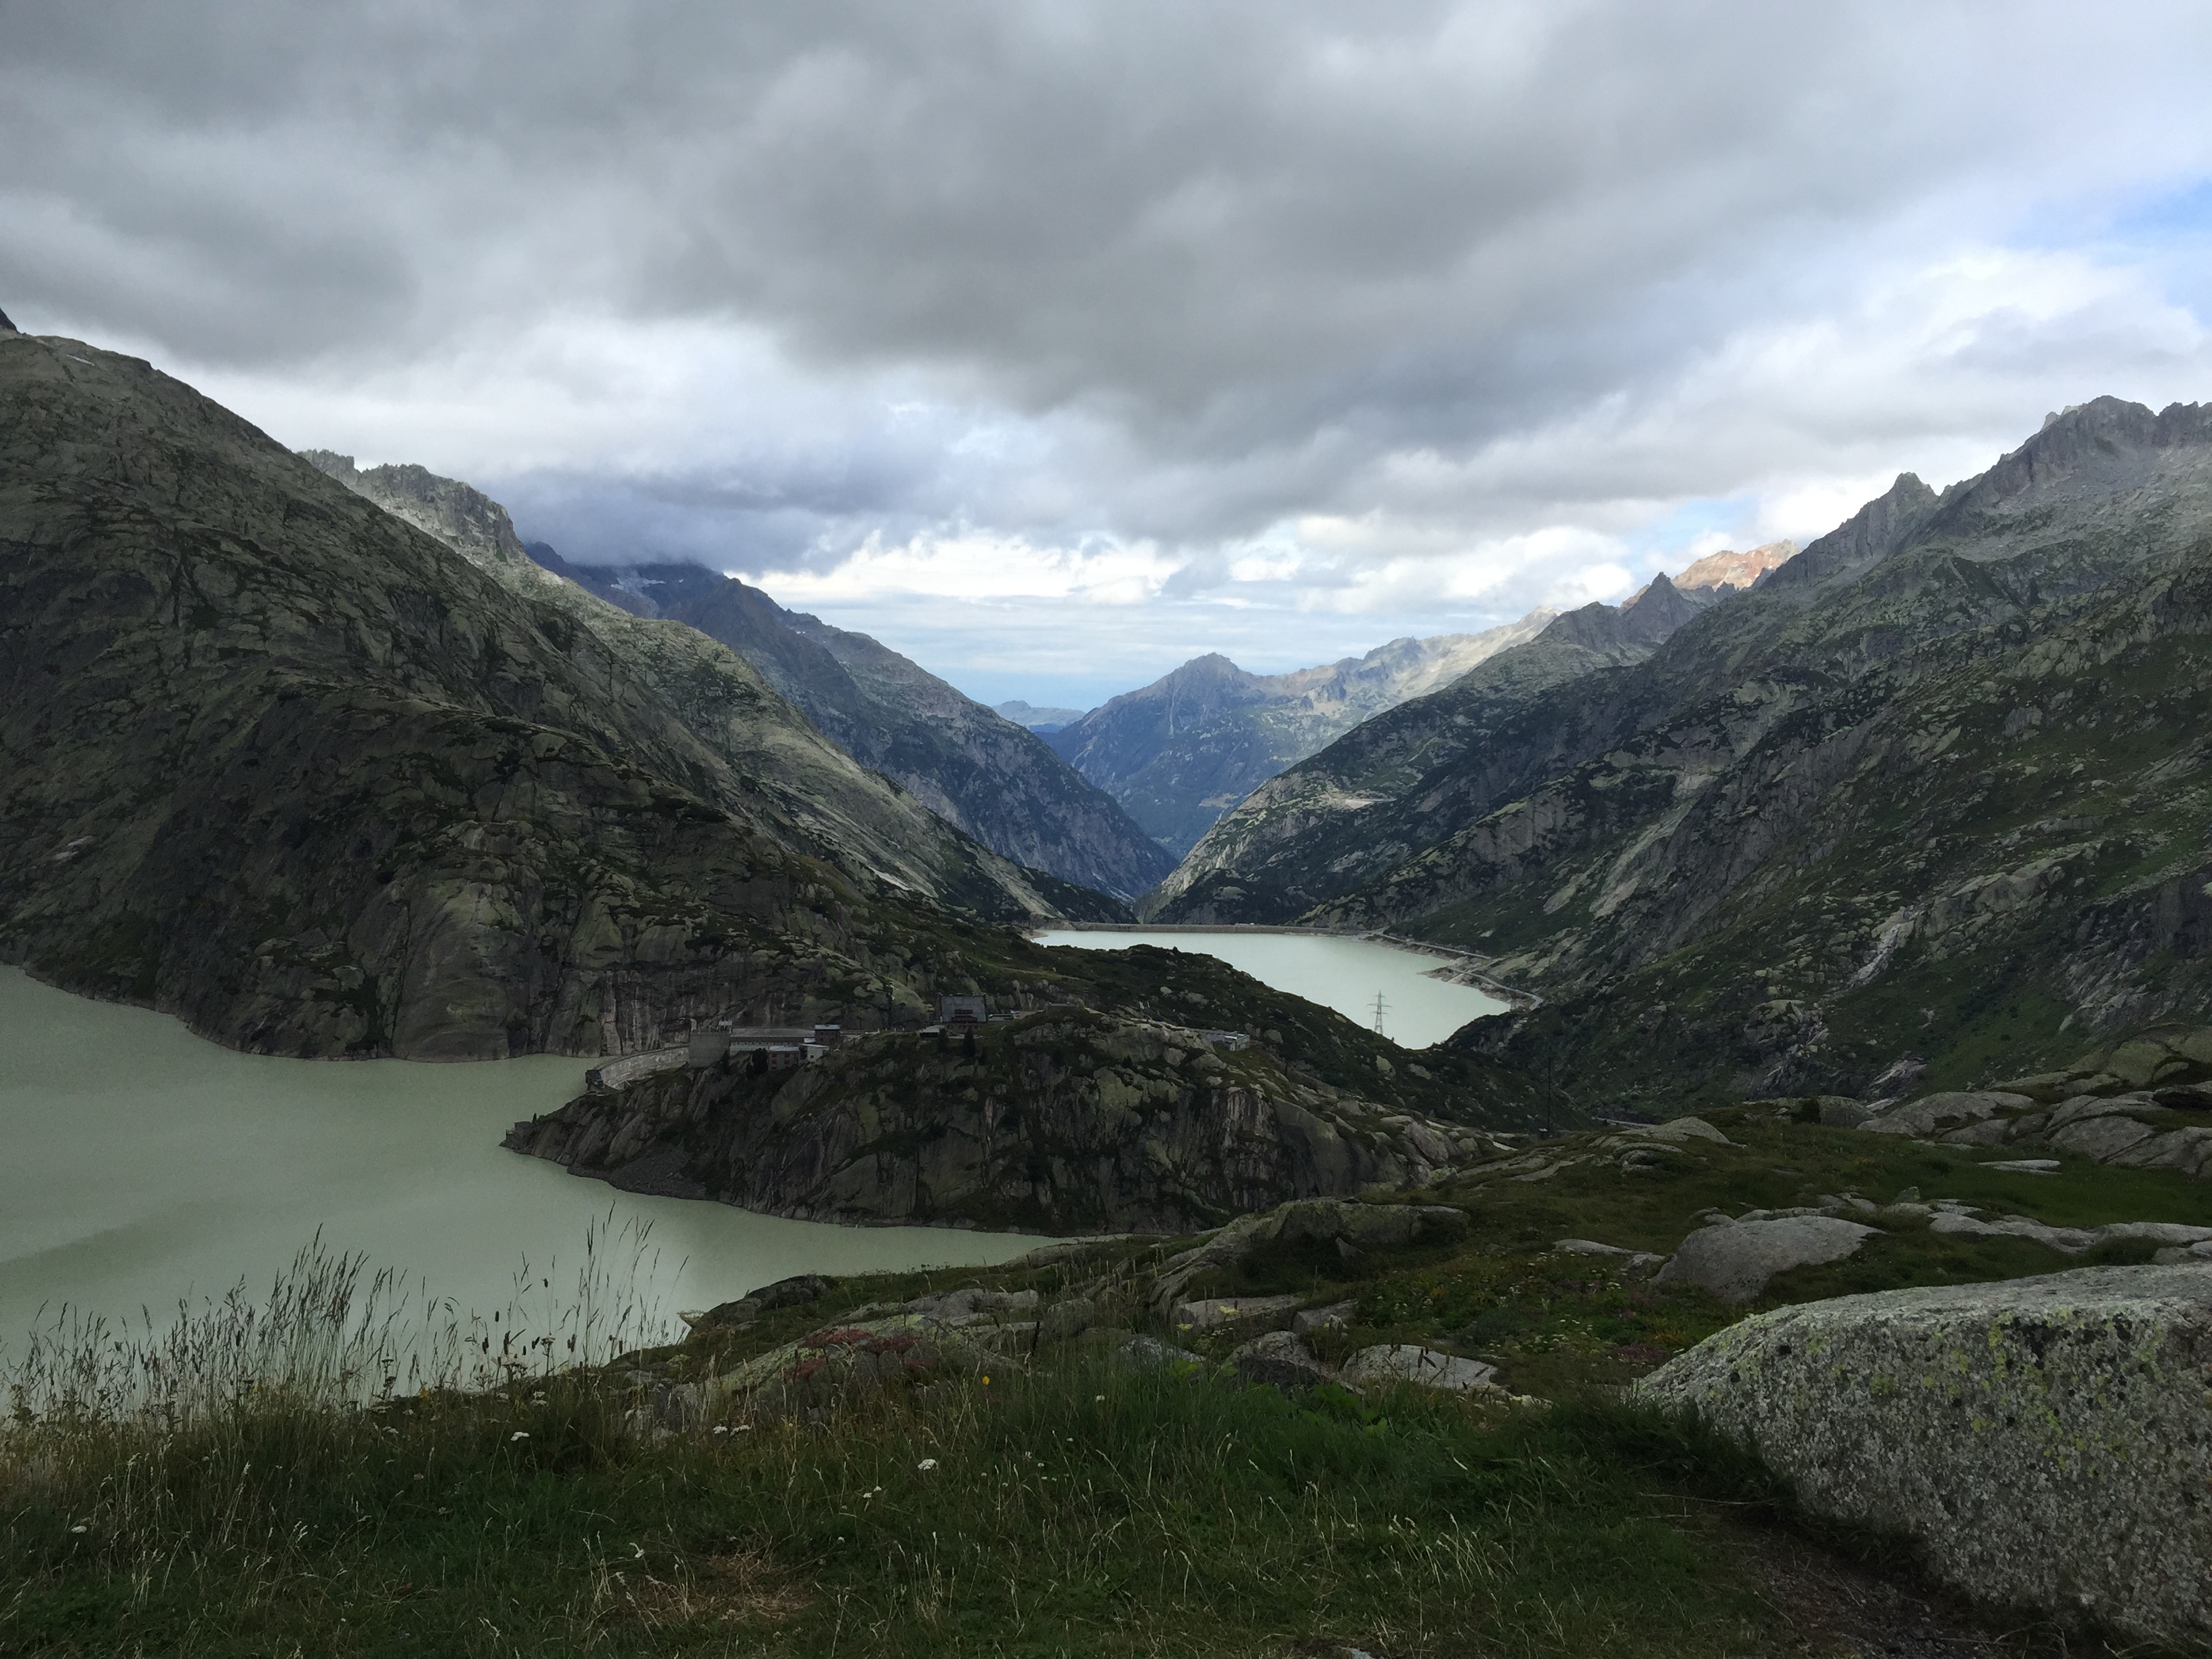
2045 1442
1186 749
1395 784
974 768
1066 1121
288 766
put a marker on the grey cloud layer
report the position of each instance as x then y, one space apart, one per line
1231 262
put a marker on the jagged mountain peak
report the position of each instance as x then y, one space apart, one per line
459 515
1729 568
1874 530
6 327
2107 438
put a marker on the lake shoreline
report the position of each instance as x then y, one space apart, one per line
1458 968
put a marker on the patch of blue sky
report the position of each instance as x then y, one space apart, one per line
1672 540
2173 218
2161 232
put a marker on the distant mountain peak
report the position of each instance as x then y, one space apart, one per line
1179 752
1729 568
6 327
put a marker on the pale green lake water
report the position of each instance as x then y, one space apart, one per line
140 1164
1343 973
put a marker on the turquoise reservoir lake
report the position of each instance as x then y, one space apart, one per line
1343 974
142 1165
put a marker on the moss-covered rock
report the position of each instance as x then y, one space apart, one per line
2046 1443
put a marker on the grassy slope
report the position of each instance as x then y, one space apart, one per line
1076 1506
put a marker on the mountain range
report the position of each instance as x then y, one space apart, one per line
973 768
1183 751
1180 752
283 763
326 766
1932 795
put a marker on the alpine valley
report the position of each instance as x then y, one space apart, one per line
1839 1170
327 778
1926 806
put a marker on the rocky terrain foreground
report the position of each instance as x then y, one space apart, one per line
2029 1425
2046 1443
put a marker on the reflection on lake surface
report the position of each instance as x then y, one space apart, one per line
140 1164
1343 973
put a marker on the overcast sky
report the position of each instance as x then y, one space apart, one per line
1054 343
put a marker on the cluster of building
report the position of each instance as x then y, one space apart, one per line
785 1048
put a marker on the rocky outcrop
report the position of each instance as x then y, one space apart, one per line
1735 1259
1350 1228
2045 1442
2146 1103
1426 1367
1066 1121
1180 752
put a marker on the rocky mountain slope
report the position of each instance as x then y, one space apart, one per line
1933 796
863 818
1180 752
967 763
1396 783
288 766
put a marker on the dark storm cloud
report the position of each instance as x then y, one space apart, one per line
1233 216
1172 273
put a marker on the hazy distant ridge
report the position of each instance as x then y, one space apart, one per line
1182 751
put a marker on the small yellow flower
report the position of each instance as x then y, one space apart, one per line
987 1382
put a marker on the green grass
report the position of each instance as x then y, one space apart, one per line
1079 1508
260 1492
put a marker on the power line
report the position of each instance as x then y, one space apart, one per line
1381 1009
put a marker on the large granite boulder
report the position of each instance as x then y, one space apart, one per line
1931 1113
1735 1259
2047 1442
